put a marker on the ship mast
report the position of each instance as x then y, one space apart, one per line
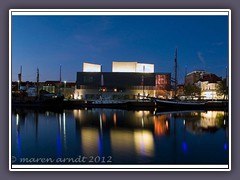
19 78
175 73
37 81
60 78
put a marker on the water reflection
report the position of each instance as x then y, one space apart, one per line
91 143
127 136
209 121
161 125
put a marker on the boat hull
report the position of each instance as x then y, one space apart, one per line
179 104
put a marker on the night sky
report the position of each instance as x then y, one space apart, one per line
46 42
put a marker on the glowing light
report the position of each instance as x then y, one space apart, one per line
100 120
142 123
77 113
64 125
89 67
144 144
64 131
59 145
124 66
115 118
132 67
167 124
100 148
17 119
90 141
104 117
122 141
209 118
225 147
145 68
60 120
184 146
160 125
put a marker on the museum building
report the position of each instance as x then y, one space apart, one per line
128 80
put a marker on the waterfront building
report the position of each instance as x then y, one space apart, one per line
51 86
126 81
209 84
66 88
30 88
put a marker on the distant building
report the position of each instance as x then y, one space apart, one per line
30 88
51 86
15 86
66 88
193 77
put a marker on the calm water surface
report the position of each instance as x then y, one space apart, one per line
121 136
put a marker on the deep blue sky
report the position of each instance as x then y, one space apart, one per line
46 42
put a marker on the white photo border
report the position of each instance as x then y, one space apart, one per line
56 12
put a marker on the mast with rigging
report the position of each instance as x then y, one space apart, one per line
175 74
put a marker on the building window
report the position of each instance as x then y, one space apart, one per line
161 79
87 79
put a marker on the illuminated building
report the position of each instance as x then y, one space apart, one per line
89 67
132 67
128 80
209 84
118 85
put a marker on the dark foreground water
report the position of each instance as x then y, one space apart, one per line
119 137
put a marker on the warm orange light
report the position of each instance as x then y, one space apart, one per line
115 118
104 117
160 125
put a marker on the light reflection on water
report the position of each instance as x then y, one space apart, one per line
137 137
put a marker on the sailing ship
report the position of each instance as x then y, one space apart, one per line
32 97
179 104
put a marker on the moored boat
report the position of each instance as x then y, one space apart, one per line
179 104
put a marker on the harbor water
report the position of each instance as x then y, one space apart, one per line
115 136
